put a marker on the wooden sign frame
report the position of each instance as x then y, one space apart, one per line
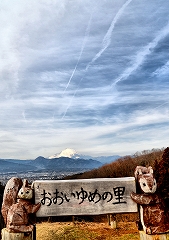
85 196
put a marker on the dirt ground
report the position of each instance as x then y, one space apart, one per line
81 230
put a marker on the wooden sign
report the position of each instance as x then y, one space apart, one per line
85 196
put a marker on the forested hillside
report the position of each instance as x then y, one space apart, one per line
124 166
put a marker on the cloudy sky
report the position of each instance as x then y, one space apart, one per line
83 74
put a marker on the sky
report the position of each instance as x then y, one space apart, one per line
83 74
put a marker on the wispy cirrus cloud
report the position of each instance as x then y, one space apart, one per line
103 66
162 71
141 55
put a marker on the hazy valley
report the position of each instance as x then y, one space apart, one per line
68 162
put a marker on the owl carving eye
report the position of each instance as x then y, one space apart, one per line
144 184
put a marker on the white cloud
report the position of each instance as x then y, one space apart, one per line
140 57
162 71
46 50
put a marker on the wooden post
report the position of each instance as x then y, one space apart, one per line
73 220
112 220
108 219
34 232
6 235
144 236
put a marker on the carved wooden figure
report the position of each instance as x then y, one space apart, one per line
17 206
153 214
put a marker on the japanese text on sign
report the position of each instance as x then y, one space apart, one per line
85 196
59 198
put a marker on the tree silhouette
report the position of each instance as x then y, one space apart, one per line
163 176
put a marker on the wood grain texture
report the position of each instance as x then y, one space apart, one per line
85 196
144 236
6 235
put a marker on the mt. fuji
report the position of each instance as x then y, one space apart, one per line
71 153
68 152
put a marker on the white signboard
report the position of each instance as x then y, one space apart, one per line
85 196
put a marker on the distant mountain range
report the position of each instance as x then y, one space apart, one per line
41 163
67 159
71 153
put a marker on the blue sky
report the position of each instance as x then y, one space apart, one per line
83 74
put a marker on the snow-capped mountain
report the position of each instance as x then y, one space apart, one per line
71 153
68 152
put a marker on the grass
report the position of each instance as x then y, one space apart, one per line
129 237
73 233
85 231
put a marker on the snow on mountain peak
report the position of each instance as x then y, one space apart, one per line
68 152
71 153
